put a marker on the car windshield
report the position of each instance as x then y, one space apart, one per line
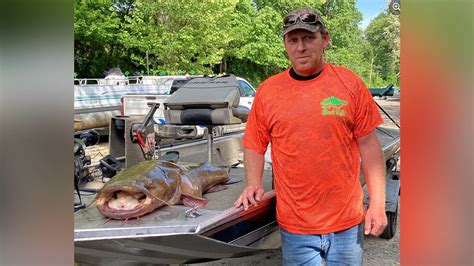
245 89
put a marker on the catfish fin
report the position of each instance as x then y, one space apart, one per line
191 201
216 188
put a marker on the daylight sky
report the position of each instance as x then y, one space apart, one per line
370 9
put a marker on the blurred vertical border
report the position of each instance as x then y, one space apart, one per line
437 132
36 126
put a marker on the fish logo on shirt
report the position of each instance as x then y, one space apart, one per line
333 106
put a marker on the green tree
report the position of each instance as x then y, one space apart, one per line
383 36
97 46
347 47
285 6
256 51
179 36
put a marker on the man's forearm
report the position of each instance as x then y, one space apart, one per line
373 167
253 162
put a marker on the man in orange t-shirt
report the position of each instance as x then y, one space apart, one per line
320 121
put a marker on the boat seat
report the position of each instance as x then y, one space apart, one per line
206 101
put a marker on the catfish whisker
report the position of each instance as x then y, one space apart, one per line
165 202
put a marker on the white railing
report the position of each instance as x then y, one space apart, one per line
117 80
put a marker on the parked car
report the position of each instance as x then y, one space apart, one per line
247 92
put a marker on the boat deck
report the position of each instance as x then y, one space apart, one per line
91 225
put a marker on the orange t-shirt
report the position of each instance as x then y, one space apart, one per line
312 127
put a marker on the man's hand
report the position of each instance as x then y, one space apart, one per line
251 195
375 221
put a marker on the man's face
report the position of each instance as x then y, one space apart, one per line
305 50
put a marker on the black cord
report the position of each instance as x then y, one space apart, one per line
380 107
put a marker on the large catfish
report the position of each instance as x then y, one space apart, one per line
146 186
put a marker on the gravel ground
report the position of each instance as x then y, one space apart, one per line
377 251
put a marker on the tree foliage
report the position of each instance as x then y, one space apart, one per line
383 36
256 50
163 37
347 47
96 27
182 36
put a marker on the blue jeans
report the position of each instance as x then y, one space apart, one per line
339 248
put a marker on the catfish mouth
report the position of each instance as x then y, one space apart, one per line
124 204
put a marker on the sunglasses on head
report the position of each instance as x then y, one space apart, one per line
308 18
